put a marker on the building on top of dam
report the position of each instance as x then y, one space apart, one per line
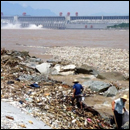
66 22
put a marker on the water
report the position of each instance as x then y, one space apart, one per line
34 39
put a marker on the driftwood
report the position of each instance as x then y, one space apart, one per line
9 117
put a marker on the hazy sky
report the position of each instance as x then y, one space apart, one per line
82 7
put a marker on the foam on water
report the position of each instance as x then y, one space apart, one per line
31 46
11 26
18 26
33 26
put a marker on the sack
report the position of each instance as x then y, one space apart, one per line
125 117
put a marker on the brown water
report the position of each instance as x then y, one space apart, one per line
33 40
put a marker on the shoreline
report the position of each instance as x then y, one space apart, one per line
104 59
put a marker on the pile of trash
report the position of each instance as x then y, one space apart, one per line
42 97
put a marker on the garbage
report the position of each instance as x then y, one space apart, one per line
21 102
73 121
85 122
10 82
30 122
46 94
35 85
3 51
101 126
9 117
51 103
17 79
22 125
88 119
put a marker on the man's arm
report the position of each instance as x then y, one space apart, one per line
82 88
124 108
113 105
74 92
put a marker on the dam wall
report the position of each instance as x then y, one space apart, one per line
66 22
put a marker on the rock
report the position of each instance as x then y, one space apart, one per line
35 60
112 91
55 70
85 69
39 78
25 77
127 78
44 68
30 65
63 70
111 75
68 67
53 61
67 73
22 53
97 86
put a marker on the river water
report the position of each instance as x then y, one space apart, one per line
34 41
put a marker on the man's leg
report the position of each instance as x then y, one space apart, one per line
73 98
118 119
81 106
79 99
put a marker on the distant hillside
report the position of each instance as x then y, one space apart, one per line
10 9
122 26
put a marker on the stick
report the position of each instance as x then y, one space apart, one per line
115 119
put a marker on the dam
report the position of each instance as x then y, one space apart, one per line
65 22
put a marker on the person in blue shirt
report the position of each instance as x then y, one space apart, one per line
117 107
77 90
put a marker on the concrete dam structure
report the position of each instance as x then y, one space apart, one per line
66 22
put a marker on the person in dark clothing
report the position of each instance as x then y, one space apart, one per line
117 106
77 90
